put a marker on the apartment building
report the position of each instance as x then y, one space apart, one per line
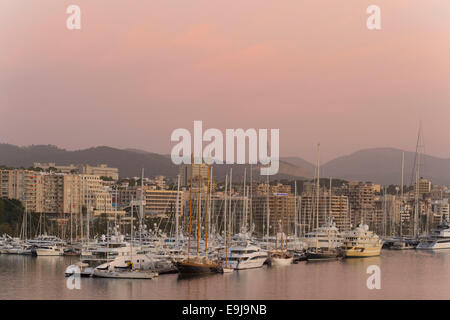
163 203
102 170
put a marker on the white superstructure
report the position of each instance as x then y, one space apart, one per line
437 239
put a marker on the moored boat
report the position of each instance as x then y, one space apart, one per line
197 265
124 274
360 242
438 238
280 258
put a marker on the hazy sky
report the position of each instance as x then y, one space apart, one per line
137 70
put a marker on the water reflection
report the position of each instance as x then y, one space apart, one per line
408 274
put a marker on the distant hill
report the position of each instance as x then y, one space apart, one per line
129 161
379 165
301 163
383 166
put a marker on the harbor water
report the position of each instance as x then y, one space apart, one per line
409 274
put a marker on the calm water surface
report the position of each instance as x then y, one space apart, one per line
404 275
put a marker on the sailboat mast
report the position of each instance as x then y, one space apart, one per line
330 215
177 211
131 231
206 222
230 186
295 210
244 215
199 207
317 192
211 205
71 232
401 192
141 206
225 220
251 197
268 209
190 209
416 204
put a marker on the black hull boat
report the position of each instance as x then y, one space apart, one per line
197 267
324 255
299 256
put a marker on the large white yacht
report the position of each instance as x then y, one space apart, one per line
325 237
438 238
246 255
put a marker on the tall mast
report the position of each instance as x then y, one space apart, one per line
141 206
295 210
225 220
71 230
190 209
207 222
231 185
401 197
330 196
317 193
177 211
416 205
211 203
131 230
199 207
244 215
251 198
268 209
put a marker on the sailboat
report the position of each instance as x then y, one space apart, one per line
280 256
332 251
198 264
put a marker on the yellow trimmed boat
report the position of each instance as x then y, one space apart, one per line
360 242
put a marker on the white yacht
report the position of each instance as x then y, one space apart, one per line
245 255
54 250
325 237
138 261
438 238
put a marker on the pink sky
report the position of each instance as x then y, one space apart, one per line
137 70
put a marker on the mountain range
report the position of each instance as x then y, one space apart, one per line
379 165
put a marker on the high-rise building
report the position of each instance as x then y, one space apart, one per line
424 186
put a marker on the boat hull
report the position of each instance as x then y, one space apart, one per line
45 252
323 256
433 246
281 261
124 274
249 264
196 268
363 252
227 270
